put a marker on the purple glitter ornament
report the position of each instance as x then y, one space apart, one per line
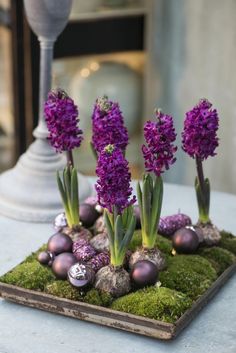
100 260
113 184
61 115
160 150
108 125
82 250
169 224
199 137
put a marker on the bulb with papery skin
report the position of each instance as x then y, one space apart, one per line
62 264
88 215
144 273
59 243
185 240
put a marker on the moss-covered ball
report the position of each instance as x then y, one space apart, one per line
162 243
219 258
228 241
29 275
63 289
190 274
156 303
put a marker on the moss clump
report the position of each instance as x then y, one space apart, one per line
190 274
162 243
219 258
29 275
228 242
63 289
156 303
98 298
34 255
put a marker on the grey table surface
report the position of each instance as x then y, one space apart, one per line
28 330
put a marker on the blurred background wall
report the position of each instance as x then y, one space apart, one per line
144 54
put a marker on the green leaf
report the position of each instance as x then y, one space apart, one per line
128 235
74 196
118 234
156 204
146 201
110 231
140 202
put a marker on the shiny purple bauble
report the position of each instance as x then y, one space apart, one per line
59 243
60 221
88 215
44 257
137 215
62 264
81 275
185 240
144 273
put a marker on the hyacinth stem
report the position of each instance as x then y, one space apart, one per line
120 230
69 190
150 202
70 159
202 187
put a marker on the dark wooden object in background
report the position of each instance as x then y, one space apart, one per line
85 37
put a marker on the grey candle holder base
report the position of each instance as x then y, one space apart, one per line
29 192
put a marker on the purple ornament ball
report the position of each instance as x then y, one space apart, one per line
88 215
81 275
137 216
44 257
62 264
144 273
185 240
59 243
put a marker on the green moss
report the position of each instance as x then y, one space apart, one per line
190 274
98 298
34 255
228 242
162 243
30 275
219 258
63 289
156 303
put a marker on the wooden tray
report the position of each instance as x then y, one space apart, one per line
112 318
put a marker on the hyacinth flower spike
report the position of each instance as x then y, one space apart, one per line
158 155
61 115
108 126
199 141
114 195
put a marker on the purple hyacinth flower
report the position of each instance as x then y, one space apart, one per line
199 137
113 184
108 125
61 115
159 151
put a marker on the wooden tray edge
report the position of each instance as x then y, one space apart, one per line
111 318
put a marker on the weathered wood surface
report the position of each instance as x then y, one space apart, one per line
112 318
